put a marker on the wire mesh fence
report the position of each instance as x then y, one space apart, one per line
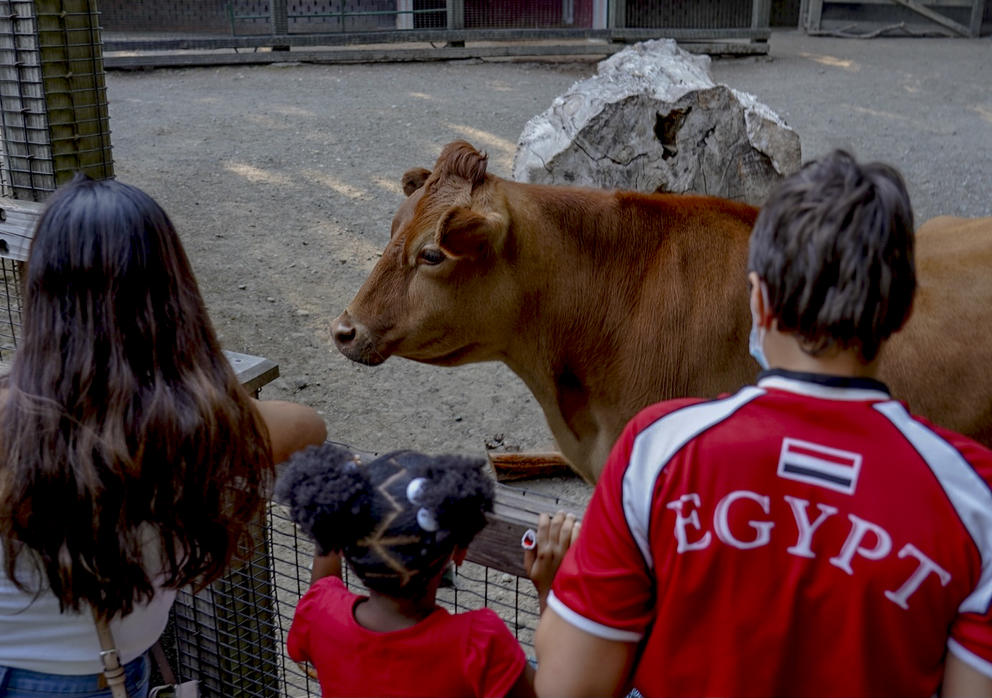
232 636
686 13
10 307
53 105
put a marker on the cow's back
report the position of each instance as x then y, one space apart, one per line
941 362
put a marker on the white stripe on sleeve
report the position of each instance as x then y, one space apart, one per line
970 658
968 493
656 445
590 626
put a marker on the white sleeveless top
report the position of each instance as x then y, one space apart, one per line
36 636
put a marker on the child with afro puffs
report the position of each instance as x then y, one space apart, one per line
399 521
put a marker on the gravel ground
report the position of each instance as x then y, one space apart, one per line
283 180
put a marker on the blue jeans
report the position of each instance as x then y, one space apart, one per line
21 683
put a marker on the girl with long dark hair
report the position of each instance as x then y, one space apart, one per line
131 459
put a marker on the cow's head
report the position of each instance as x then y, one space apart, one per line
437 291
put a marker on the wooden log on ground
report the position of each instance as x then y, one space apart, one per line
518 466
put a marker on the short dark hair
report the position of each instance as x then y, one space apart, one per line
374 516
834 246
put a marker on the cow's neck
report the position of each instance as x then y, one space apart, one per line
563 369
629 325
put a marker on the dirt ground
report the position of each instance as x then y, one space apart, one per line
283 180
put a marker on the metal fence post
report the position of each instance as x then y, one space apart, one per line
456 14
280 22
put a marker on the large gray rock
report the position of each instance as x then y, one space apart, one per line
653 119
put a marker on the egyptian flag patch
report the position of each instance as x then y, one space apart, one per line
819 465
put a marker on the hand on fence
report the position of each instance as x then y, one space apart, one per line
547 549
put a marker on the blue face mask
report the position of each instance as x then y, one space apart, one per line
754 346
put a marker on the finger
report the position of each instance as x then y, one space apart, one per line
575 533
554 531
565 534
543 531
530 556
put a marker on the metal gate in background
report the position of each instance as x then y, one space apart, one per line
214 31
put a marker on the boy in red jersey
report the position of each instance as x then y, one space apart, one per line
806 535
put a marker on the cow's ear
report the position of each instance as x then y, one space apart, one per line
414 179
462 232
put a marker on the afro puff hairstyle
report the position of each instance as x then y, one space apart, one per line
396 519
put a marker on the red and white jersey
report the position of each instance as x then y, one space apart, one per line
805 536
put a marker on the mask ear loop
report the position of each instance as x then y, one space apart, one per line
756 339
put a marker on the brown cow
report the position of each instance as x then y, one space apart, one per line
604 302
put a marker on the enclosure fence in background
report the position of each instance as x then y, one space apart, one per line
216 32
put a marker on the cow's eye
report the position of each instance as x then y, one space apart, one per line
431 255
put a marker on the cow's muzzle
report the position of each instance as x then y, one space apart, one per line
355 341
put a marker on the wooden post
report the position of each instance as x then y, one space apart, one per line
75 91
977 13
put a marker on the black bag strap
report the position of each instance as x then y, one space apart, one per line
163 664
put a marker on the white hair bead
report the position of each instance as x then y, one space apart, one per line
426 520
415 490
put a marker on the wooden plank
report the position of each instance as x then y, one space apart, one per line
253 372
519 466
17 221
515 510
352 39
928 3
934 16
378 55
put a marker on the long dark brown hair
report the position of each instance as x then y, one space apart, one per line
121 416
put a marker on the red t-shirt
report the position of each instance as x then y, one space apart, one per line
804 536
465 654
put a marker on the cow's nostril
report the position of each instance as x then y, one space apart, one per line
344 332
